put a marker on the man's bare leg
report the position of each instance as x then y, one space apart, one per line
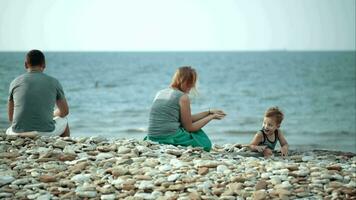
66 132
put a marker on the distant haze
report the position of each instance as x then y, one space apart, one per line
177 25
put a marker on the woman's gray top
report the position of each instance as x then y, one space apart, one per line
165 113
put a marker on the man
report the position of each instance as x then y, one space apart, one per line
32 97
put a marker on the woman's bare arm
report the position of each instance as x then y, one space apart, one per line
186 117
199 116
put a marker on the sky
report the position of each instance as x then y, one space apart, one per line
177 25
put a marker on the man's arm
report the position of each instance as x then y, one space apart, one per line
10 110
62 108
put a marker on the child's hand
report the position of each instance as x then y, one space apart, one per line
284 151
260 148
267 153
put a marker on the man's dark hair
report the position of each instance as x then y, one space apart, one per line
35 57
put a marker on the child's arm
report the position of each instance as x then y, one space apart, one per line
256 141
284 144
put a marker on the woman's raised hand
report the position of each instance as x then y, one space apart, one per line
217 114
216 111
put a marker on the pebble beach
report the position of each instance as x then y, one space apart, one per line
46 168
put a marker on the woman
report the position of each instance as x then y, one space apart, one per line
171 121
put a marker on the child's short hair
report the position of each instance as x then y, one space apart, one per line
276 113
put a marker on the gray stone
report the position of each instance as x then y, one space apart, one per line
81 178
123 150
108 197
6 180
5 195
46 196
89 194
144 185
173 177
307 158
259 195
60 144
21 181
104 156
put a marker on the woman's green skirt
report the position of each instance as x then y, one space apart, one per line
184 138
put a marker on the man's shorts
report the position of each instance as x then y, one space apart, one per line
60 125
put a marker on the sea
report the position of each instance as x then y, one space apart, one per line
110 93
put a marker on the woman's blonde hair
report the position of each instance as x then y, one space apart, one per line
185 74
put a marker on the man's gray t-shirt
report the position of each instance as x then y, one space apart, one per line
34 95
165 113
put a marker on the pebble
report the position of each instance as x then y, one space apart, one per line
261 185
203 170
275 180
335 184
147 196
283 193
284 185
307 158
69 150
60 144
176 163
46 196
103 156
177 187
221 168
206 163
6 180
108 197
21 181
165 167
259 195
337 177
334 167
5 195
194 196
67 157
173 177
19 142
123 150
302 173
175 152
144 185
88 194
79 167
47 178
106 148
119 171
81 178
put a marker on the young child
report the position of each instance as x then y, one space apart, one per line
266 139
